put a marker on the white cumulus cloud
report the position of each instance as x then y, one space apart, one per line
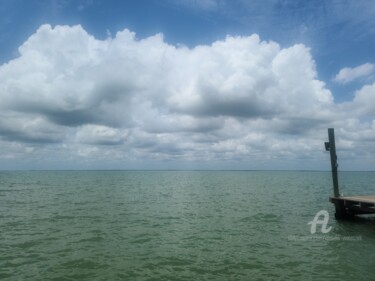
237 99
348 74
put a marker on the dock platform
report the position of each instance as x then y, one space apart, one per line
347 206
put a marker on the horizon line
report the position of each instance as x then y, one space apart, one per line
176 170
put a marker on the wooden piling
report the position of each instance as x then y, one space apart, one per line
334 165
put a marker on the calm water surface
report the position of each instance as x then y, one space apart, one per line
180 225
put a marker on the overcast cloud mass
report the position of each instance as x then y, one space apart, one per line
70 100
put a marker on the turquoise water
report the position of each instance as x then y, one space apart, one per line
180 225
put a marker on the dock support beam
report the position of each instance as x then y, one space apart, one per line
331 147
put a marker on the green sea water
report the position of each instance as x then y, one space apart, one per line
180 225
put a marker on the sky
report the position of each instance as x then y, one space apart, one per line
186 84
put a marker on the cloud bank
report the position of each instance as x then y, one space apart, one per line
241 101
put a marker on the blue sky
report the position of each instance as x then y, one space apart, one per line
237 114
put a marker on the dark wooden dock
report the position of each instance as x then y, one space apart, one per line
346 206
355 205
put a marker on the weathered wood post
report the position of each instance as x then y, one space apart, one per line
331 147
